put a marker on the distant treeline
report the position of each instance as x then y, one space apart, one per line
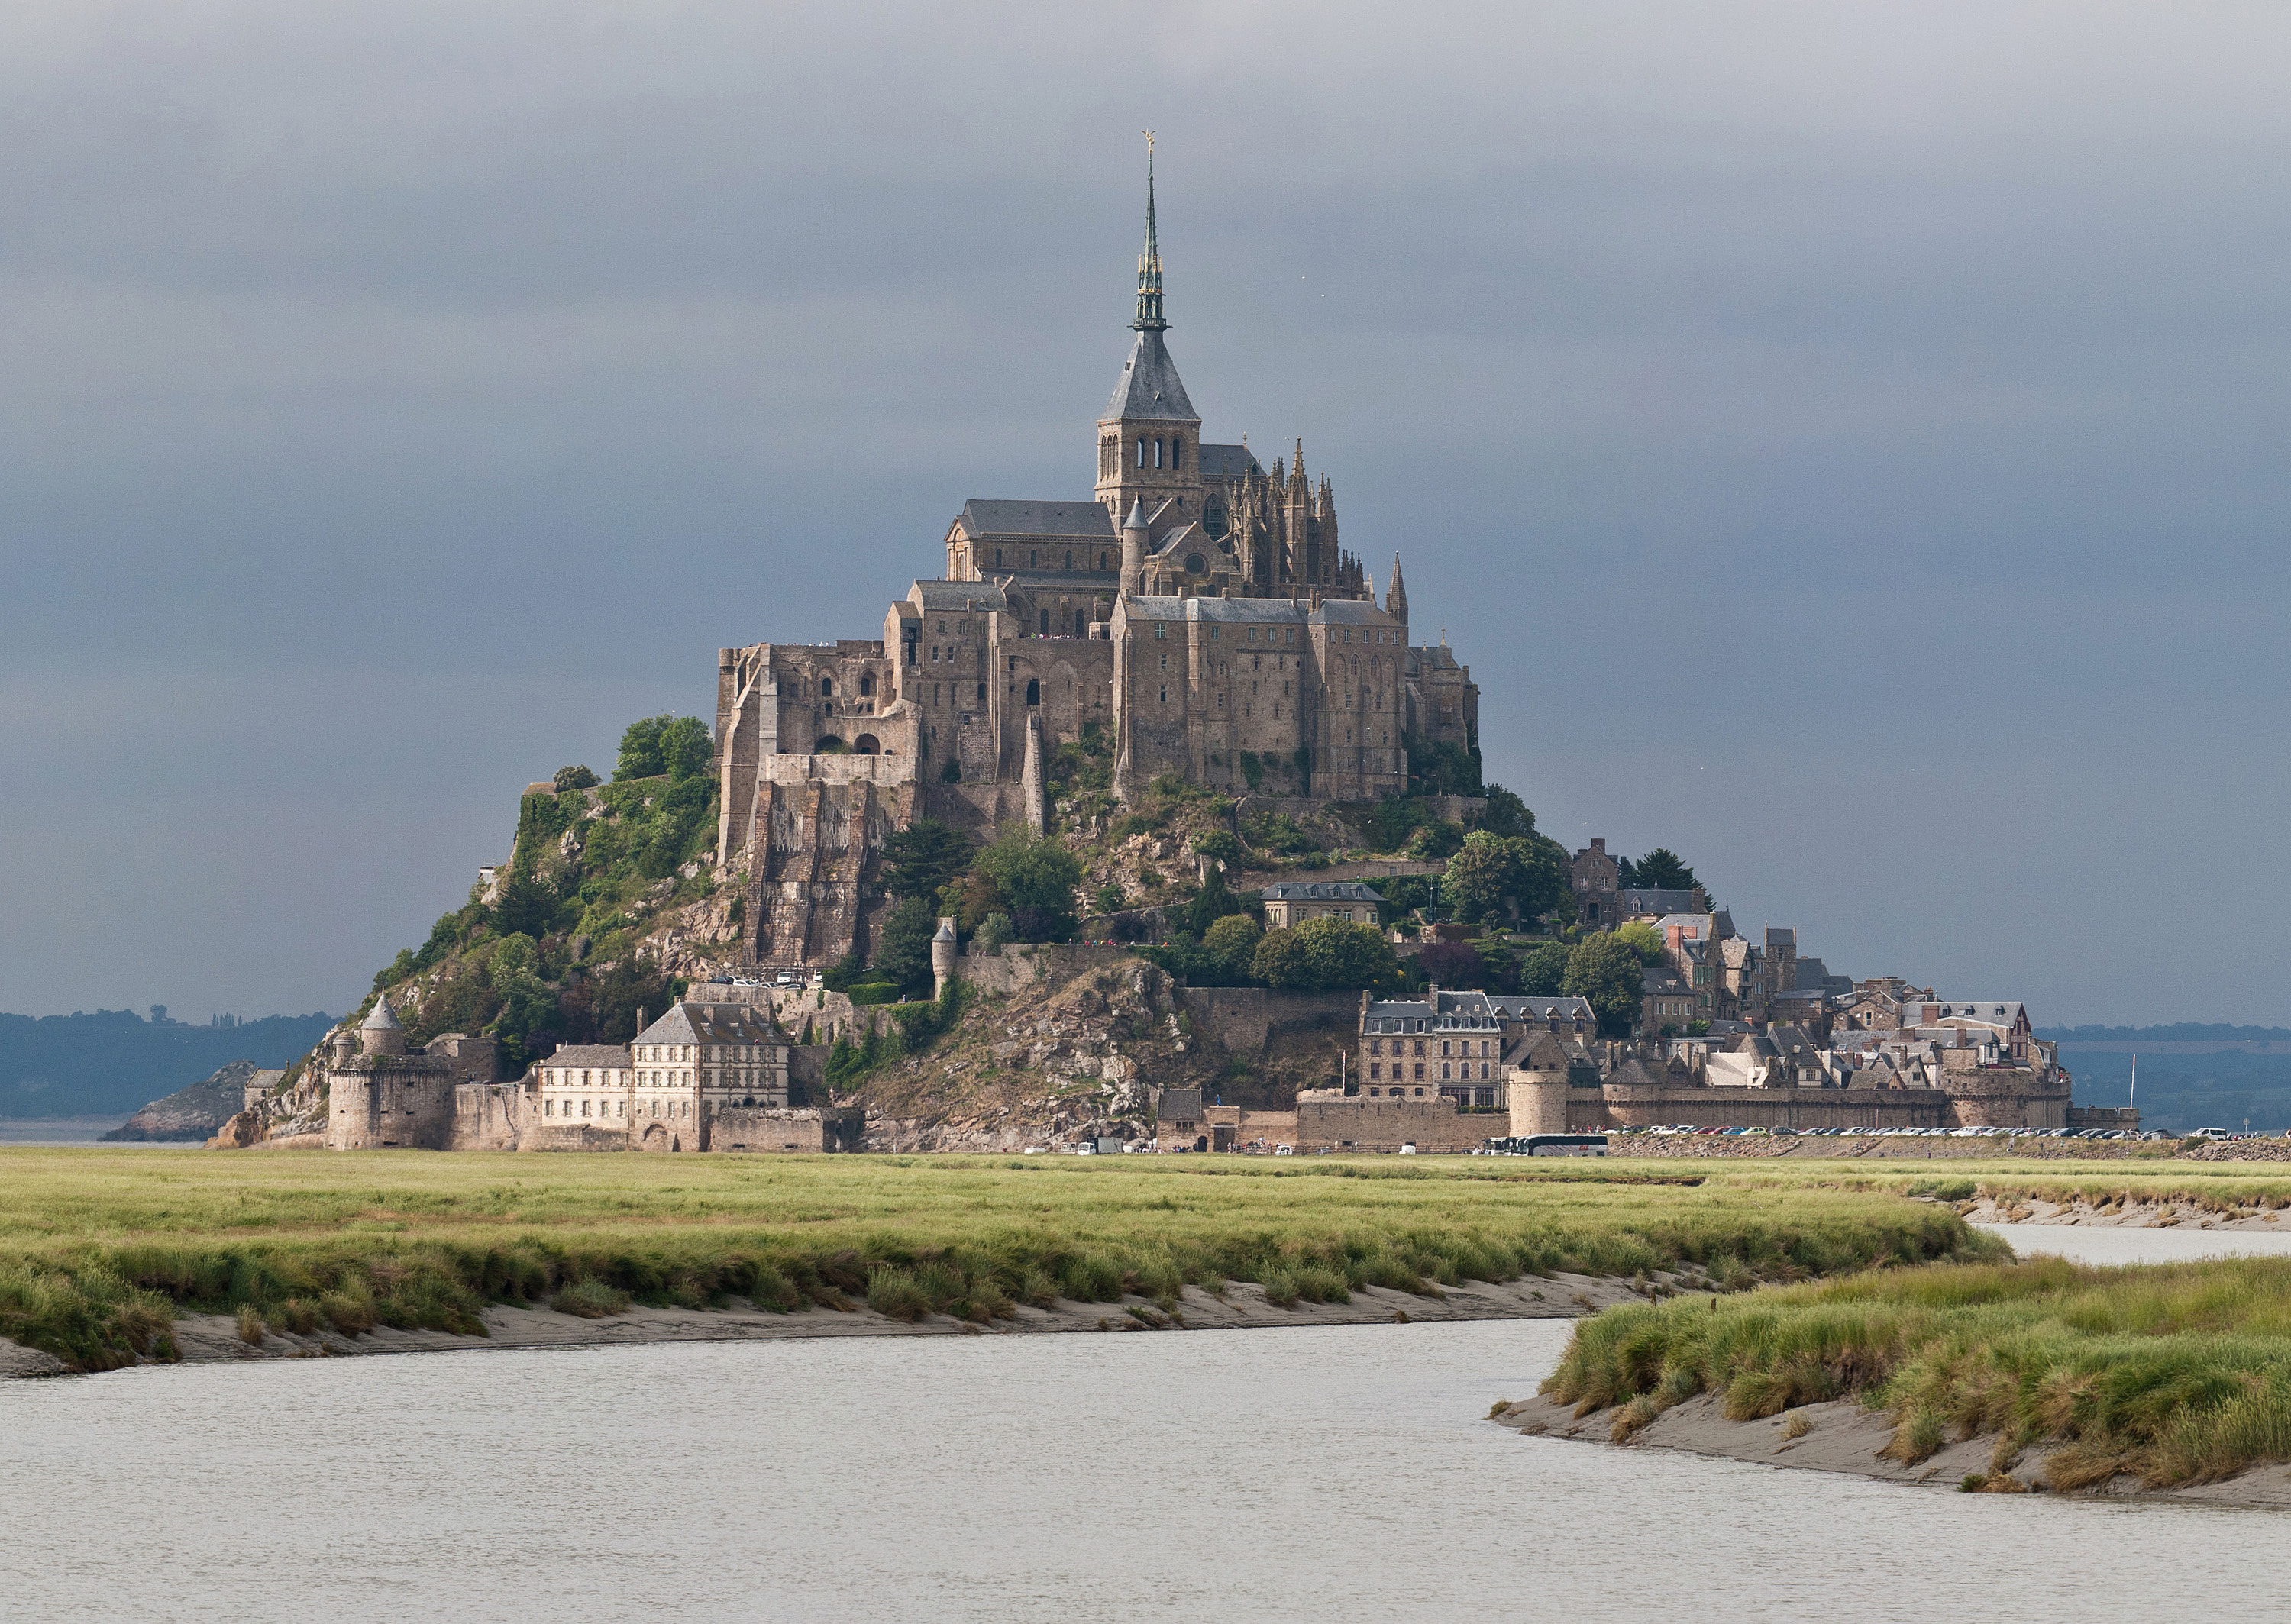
2185 1032
110 1062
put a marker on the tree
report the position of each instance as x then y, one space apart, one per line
1543 885
1231 943
1481 875
1661 870
1605 971
1544 972
1326 954
523 905
1452 964
1219 846
902 952
641 756
686 750
1506 815
574 778
993 930
1211 904
1036 877
1642 939
922 858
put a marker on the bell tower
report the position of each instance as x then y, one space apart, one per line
1149 436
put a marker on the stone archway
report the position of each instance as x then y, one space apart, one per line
654 1137
866 745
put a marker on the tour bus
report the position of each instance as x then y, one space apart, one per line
1550 1145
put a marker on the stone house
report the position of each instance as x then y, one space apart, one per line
1594 876
585 1082
699 1065
1641 903
1181 1123
1455 1044
1667 1002
1292 902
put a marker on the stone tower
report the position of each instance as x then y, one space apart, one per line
943 956
379 1033
1149 436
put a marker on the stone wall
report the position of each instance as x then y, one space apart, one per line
1245 1018
1327 1120
1991 1099
388 1102
832 1127
1016 967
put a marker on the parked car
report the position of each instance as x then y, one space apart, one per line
785 979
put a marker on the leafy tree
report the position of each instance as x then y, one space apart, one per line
1661 870
1406 893
1543 973
686 749
1605 971
1212 903
994 931
1642 939
1036 877
574 778
1436 840
840 974
1452 964
528 1007
1232 943
1506 815
902 952
1109 899
1219 846
525 905
627 988
1482 874
922 858
1326 954
1543 886
640 755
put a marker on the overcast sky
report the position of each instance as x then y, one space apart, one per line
1847 444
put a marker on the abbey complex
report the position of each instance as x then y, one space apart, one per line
1197 610
1196 617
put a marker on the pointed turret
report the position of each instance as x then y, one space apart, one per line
1395 596
1133 537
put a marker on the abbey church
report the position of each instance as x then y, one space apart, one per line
1197 612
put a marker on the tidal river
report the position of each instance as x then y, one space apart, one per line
1331 1474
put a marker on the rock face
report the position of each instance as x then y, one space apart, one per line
192 1113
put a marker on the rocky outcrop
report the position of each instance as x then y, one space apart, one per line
194 1114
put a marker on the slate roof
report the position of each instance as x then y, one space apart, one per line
1657 902
977 596
1149 385
1228 462
984 516
1320 890
593 1055
1179 1105
381 1019
692 1022
1476 1006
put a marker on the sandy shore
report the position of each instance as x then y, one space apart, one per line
207 1338
1842 1436
2127 1214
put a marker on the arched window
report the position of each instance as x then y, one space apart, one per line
982 693
1175 448
1069 557
1046 622
1141 450
998 563
826 687
1157 453
867 685
866 745
1034 690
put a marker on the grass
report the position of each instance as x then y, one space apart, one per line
2175 1373
99 1251
2216 1187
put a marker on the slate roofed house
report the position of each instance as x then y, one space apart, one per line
1292 902
1640 903
1179 1122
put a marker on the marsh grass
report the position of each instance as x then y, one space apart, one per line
590 1299
99 1251
2175 1373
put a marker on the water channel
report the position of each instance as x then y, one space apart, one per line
1331 1474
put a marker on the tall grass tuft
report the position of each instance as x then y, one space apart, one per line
2177 1373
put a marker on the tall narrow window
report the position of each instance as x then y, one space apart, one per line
1141 450
1157 453
1175 448
1034 690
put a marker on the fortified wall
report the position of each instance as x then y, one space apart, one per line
2008 1098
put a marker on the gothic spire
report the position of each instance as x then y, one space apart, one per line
1395 596
1149 263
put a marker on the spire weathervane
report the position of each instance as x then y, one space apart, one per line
1149 263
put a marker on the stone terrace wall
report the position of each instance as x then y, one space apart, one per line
1243 1018
1329 1120
832 1128
1016 967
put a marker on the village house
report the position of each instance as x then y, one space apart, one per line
1595 876
1292 902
